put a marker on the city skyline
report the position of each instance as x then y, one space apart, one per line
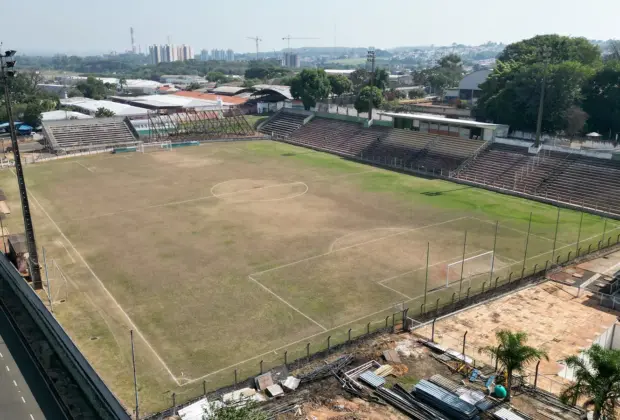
403 23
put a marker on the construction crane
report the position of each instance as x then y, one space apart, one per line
288 38
257 40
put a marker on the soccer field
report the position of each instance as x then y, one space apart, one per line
226 254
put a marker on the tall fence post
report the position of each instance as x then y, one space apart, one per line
493 256
536 375
236 377
578 236
349 335
387 319
527 240
428 250
329 337
286 357
464 341
433 330
604 230
555 237
462 266
261 367
368 329
308 350
174 404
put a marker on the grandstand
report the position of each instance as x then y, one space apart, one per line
283 124
563 176
404 148
75 135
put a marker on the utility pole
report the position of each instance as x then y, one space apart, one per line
257 40
371 60
546 54
135 378
7 63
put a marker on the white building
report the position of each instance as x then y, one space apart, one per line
291 60
63 115
155 54
90 106
204 55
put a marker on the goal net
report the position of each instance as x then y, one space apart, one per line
469 267
153 147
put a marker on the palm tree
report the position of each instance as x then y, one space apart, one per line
513 353
597 377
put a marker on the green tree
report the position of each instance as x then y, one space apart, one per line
311 86
560 48
340 84
364 97
597 378
249 411
602 100
416 93
382 79
122 82
359 79
218 77
73 92
513 354
32 114
92 88
511 94
104 112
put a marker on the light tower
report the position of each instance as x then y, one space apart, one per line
133 43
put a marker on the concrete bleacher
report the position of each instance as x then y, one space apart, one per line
74 135
567 177
283 124
403 148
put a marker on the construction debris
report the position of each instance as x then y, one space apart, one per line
275 390
263 381
384 371
327 369
372 379
391 356
291 383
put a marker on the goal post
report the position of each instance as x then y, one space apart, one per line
469 267
156 146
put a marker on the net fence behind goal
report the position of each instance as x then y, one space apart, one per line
56 286
155 147
469 267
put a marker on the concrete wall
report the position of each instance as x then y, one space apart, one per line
609 339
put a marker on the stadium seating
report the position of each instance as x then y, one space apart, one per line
562 176
75 135
283 124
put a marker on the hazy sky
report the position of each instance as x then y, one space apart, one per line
78 26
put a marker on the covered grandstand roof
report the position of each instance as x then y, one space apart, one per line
266 89
91 106
170 101
63 115
439 119
226 90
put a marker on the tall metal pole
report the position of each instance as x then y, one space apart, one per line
462 265
578 235
135 380
493 256
47 279
371 60
527 241
604 232
542 99
555 237
428 249
35 275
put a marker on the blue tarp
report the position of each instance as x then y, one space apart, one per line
6 125
24 127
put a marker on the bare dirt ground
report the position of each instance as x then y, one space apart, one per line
224 255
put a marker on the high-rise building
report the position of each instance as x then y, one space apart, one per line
155 54
204 55
230 55
291 60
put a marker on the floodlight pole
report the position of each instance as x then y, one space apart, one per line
463 266
371 60
5 76
428 251
135 378
541 103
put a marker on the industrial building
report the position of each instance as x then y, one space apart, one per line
291 60
90 106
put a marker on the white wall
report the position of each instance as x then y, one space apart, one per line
609 339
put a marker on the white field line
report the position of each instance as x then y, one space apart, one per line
131 323
68 253
516 230
172 203
393 290
331 247
285 302
85 167
359 244
346 323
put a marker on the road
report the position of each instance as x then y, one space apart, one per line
23 392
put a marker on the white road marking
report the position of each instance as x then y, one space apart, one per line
14 383
31 417
1 356
23 400
130 321
85 167
7 369
287 304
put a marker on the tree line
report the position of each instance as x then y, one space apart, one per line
582 87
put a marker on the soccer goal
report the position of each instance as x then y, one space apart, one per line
469 267
153 147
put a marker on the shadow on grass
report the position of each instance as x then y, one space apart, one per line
436 193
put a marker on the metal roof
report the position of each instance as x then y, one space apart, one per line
228 90
63 115
371 379
282 90
505 414
92 105
439 119
473 80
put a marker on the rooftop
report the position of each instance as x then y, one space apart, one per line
227 100
439 119
92 105
63 115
